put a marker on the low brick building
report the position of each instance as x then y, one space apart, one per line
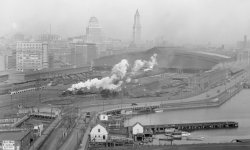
16 140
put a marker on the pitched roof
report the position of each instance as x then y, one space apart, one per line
137 123
101 124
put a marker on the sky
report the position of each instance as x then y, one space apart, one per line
179 21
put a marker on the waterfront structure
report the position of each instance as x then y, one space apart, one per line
31 56
137 128
98 133
137 29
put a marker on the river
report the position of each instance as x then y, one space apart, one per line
235 109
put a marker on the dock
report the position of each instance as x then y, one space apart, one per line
246 85
160 129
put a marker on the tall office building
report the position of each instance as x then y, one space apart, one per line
95 36
94 31
137 29
31 56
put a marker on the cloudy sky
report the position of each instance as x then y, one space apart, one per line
184 21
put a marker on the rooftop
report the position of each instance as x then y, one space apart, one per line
169 57
13 135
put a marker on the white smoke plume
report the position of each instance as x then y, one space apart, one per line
145 65
128 80
115 80
112 83
120 69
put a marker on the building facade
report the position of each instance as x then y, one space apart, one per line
137 128
49 37
94 31
98 134
94 35
103 117
17 140
137 29
83 54
31 56
3 62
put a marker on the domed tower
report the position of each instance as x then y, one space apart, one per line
94 31
137 28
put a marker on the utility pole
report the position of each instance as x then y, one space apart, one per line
11 98
103 104
38 86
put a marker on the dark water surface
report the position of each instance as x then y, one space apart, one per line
235 109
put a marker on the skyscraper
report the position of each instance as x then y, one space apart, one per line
94 31
94 35
137 28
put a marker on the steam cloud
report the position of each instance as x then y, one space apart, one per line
119 72
145 65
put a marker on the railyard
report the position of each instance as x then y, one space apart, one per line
182 93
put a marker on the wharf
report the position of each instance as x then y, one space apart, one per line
159 129
246 85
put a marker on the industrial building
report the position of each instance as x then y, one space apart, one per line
180 73
16 140
172 59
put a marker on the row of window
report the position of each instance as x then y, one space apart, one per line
29 44
104 137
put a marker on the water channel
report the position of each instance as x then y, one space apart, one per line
235 109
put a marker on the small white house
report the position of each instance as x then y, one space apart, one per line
103 117
98 133
137 128
39 129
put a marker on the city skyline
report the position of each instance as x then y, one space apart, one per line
181 21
